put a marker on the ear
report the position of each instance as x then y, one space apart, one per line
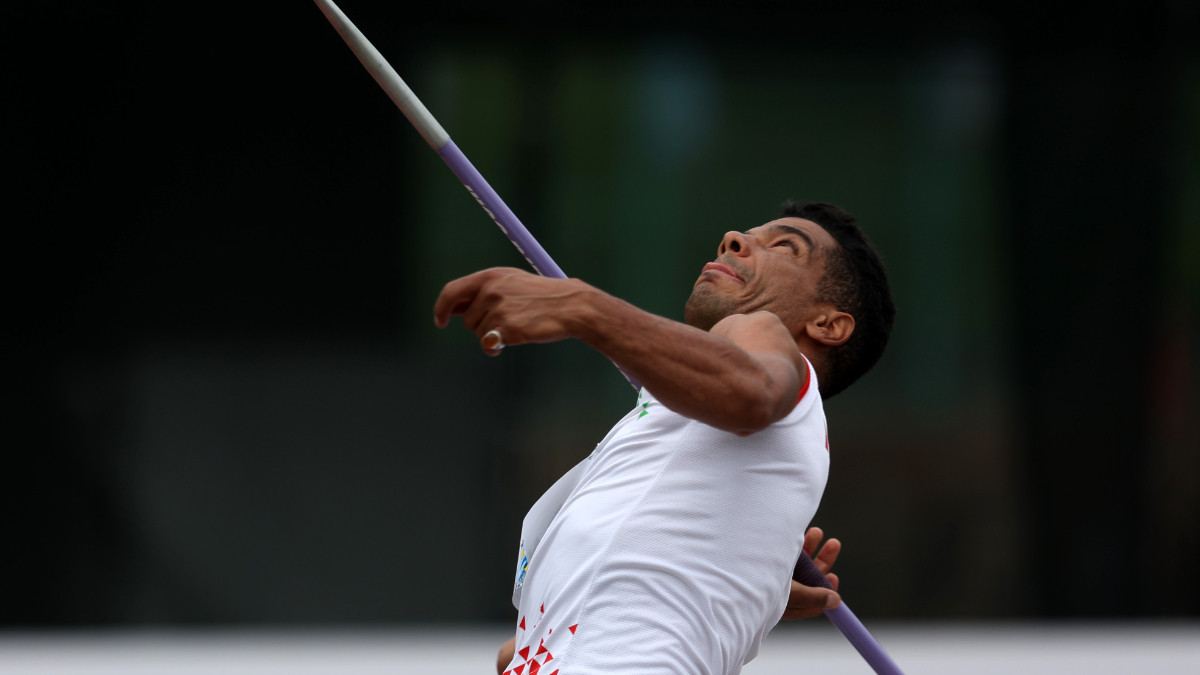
830 327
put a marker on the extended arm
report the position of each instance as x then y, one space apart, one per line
741 376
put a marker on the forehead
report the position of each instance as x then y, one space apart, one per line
816 234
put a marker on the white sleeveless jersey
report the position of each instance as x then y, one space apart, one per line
670 549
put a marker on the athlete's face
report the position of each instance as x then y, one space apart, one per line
775 267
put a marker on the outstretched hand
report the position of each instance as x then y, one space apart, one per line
808 601
522 307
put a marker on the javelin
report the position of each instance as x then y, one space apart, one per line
806 571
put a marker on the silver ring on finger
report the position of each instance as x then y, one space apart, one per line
492 340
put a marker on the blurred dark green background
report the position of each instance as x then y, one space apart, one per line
228 402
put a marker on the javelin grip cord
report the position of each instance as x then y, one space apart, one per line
806 571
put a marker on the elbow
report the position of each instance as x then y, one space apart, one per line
753 417
762 398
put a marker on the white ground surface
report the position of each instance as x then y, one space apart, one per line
810 647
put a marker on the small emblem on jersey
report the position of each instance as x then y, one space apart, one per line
522 567
644 406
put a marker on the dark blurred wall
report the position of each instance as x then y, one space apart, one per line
228 402
1099 122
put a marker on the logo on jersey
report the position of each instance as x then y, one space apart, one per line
522 567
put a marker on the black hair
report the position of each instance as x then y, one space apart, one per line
855 282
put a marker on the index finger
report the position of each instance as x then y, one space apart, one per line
828 555
812 539
458 295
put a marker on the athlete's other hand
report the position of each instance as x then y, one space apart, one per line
808 601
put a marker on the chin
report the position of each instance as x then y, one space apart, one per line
704 309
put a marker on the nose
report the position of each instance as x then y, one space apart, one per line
736 243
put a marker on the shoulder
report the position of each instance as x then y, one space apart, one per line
759 332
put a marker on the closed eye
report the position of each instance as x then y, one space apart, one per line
791 237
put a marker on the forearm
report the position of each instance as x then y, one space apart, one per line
699 374
741 376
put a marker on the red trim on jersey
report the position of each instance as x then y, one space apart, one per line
807 380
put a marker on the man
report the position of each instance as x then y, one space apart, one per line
670 548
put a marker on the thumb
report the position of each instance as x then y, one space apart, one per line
832 600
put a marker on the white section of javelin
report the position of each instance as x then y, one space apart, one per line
416 112
920 649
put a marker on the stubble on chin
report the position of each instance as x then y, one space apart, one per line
705 308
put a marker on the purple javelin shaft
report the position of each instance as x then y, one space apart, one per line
506 220
857 634
806 572
495 207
